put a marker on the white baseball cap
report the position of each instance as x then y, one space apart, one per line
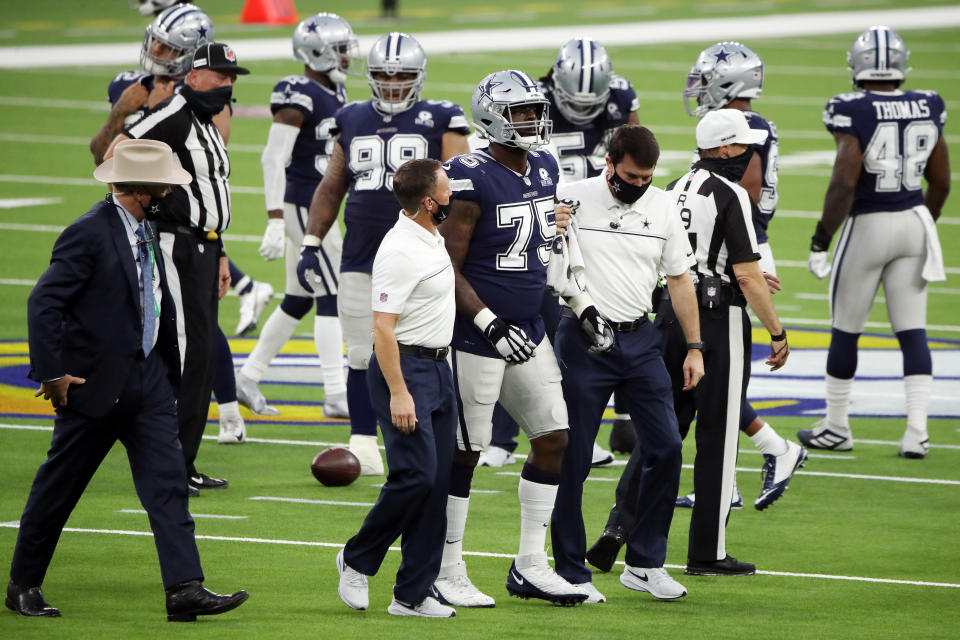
727 126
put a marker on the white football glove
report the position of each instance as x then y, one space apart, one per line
273 240
510 341
819 265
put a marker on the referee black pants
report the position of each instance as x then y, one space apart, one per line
193 270
715 403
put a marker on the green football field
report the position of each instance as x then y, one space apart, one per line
864 545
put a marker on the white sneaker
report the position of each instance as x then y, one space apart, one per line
657 582
601 457
454 588
352 588
232 430
824 435
335 406
532 577
593 594
494 456
429 608
368 453
914 445
248 394
778 470
252 305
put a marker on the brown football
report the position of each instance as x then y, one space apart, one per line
335 467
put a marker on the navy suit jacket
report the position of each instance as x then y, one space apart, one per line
84 313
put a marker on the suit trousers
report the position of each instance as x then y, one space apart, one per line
144 419
634 368
413 501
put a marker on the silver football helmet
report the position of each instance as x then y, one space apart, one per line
492 107
150 7
581 80
172 38
325 43
878 54
722 72
392 54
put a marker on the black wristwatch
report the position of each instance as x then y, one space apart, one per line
695 345
779 338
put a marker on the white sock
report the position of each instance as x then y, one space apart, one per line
838 401
240 284
621 416
278 328
918 397
536 508
229 409
457 508
769 441
328 338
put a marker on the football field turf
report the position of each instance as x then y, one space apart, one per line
863 545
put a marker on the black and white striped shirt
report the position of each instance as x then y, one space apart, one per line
717 216
198 148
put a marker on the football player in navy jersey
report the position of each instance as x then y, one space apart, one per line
502 223
888 142
294 160
372 139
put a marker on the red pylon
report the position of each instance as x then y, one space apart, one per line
269 12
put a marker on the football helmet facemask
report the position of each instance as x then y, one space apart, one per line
878 54
498 97
581 80
325 43
722 72
172 38
393 54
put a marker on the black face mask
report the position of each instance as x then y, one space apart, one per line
624 191
730 168
443 210
207 104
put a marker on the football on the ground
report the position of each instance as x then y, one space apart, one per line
335 467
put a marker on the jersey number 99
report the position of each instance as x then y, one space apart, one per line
374 161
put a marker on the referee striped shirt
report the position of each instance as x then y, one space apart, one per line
198 148
718 218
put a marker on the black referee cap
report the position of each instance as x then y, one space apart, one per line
217 56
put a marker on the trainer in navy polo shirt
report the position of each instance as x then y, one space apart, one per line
627 234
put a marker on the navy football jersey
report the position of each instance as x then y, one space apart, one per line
311 151
506 261
897 131
126 78
583 148
375 145
769 152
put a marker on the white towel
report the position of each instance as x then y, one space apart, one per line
565 269
933 270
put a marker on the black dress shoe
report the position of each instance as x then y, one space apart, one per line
604 551
203 481
729 566
623 437
192 491
188 600
28 601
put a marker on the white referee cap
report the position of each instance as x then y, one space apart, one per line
727 126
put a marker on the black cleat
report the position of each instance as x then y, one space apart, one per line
605 550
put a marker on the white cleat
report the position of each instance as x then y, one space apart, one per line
249 395
593 594
352 588
532 577
368 453
454 588
914 445
824 435
429 608
335 406
657 582
232 429
494 456
252 305
778 470
601 457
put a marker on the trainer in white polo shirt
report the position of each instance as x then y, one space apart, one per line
412 393
626 231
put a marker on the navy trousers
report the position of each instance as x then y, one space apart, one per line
144 419
413 501
633 368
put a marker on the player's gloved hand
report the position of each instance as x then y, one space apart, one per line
818 264
309 265
272 246
510 342
598 329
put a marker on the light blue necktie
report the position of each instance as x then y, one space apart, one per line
150 311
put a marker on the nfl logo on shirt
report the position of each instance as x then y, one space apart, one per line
383 296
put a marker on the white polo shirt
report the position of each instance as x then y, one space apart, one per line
413 278
622 264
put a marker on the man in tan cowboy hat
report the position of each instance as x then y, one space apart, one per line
103 346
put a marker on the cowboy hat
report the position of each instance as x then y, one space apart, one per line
141 162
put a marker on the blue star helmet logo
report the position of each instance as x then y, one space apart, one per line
312 27
202 31
722 55
489 87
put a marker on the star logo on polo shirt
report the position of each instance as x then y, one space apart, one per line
646 223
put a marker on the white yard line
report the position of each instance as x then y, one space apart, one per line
211 516
332 503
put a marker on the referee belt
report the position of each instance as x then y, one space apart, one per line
439 354
620 327
209 236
